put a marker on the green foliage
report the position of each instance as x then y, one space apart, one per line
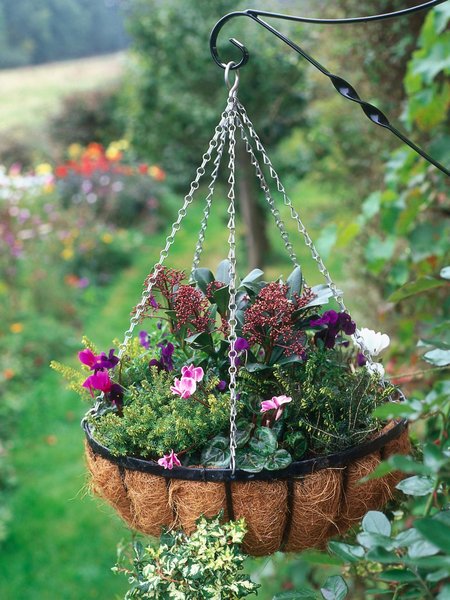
332 404
174 98
403 229
86 116
56 30
411 563
204 566
155 420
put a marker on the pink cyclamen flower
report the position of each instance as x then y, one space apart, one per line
98 381
168 461
195 373
184 387
276 403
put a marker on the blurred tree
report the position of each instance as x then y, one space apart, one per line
176 93
37 32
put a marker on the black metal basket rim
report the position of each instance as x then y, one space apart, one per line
296 469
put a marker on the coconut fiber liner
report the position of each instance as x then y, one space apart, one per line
294 509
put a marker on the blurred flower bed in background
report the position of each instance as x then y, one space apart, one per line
66 230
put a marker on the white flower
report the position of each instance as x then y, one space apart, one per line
375 369
374 342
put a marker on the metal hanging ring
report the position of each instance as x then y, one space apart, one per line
232 87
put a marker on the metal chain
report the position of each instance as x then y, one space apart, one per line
232 321
337 294
171 237
265 188
209 198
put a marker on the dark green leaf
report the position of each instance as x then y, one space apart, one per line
222 298
335 588
382 555
433 457
223 272
202 277
201 341
279 460
301 595
376 522
264 442
373 540
252 276
294 282
346 551
243 433
391 410
422 284
400 575
250 461
253 367
438 575
217 453
435 531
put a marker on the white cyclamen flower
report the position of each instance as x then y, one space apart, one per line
374 342
375 369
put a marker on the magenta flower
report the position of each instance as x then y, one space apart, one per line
276 403
184 387
195 373
98 381
87 357
98 362
168 461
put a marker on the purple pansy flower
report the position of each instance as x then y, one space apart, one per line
143 339
361 359
241 344
221 386
334 322
116 395
165 363
106 362
99 361
153 302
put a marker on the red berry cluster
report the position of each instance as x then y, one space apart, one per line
270 320
191 309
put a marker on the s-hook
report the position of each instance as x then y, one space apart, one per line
341 85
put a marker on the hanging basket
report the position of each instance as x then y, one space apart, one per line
290 509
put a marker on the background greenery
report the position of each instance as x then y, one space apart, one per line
379 212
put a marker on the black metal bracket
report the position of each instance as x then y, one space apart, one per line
341 85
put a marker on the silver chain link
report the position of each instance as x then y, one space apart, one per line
265 188
135 319
337 294
232 321
209 198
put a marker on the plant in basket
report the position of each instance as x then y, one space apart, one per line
245 396
305 388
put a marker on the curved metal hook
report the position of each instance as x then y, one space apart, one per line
343 87
255 14
213 42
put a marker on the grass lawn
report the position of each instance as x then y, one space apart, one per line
31 94
62 542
